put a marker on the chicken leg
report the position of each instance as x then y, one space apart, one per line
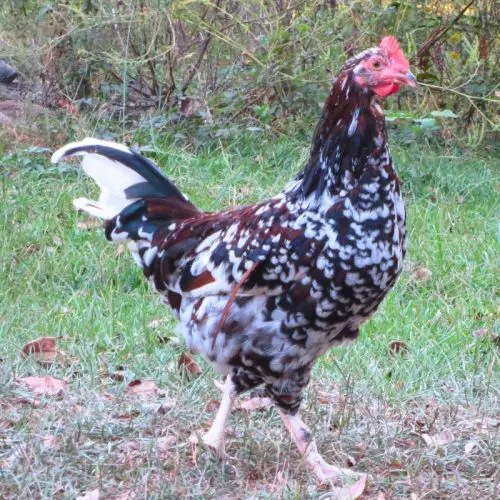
302 437
214 438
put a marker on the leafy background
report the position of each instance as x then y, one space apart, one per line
260 63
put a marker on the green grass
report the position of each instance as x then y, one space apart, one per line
61 280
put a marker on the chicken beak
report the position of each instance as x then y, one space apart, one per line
409 79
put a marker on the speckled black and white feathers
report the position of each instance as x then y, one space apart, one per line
262 291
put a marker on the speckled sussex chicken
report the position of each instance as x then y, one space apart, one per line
261 291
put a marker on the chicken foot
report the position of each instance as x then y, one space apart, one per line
302 437
214 438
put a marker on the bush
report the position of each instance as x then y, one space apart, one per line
255 62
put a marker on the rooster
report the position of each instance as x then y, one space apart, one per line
261 291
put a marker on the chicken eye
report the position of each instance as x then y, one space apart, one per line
376 64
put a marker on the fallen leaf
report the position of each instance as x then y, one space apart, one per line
186 363
327 398
189 107
51 442
211 405
422 274
142 388
398 347
194 442
440 439
128 416
484 333
255 404
348 492
89 224
164 444
480 333
43 350
44 385
89 495
356 490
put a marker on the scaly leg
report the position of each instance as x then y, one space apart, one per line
303 439
214 438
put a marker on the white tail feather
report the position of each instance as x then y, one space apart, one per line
111 176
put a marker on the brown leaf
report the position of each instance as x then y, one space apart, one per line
188 364
43 350
51 442
255 404
349 492
90 495
128 416
422 274
486 334
89 224
189 107
164 444
481 333
44 385
441 439
212 404
142 388
398 347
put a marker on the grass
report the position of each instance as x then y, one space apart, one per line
369 408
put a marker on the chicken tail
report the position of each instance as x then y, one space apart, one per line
136 199
123 175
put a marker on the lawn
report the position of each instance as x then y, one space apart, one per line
413 403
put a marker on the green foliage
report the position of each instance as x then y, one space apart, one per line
236 59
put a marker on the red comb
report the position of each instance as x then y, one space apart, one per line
391 46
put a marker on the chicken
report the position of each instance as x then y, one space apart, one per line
261 291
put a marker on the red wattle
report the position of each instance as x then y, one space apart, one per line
387 89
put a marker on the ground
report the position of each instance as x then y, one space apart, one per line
413 403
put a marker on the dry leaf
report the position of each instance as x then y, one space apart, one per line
51 442
164 444
398 347
190 106
481 333
186 363
89 224
422 274
255 404
44 385
349 492
440 439
142 388
89 495
43 350
211 405
484 333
